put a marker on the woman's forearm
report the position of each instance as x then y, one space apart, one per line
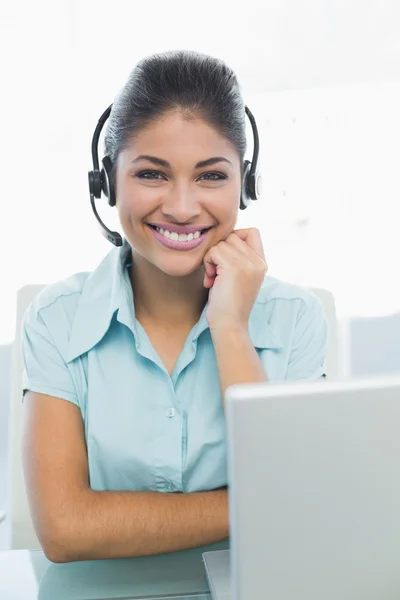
124 524
237 359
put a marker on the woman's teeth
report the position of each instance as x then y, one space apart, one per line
179 237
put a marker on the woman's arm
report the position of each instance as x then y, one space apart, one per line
234 271
237 360
73 522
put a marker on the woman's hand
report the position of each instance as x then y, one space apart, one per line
235 269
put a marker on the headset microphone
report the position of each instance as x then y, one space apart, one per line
102 181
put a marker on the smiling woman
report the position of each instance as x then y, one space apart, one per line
126 367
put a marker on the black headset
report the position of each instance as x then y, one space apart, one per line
101 181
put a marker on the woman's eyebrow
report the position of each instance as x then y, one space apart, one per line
163 163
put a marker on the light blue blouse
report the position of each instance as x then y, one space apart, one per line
145 429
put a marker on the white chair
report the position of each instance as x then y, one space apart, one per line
23 535
332 357
5 380
22 531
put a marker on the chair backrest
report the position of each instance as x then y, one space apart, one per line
22 531
374 345
332 357
5 394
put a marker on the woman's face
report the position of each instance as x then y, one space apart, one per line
173 208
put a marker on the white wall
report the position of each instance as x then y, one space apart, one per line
322 78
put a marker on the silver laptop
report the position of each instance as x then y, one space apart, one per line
314 492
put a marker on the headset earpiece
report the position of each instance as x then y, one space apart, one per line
101 181
251 186
106 180
95 185
245 197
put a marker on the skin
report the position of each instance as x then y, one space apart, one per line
72 521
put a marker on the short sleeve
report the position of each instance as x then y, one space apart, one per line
308 354
44 369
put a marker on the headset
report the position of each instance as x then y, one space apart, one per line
101 181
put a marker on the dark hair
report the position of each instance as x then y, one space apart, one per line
195 83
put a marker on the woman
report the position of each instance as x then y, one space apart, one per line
126 366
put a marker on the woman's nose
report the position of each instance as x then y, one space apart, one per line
181 204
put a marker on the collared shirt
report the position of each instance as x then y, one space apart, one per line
145 429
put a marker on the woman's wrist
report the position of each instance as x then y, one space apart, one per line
237 359
229 330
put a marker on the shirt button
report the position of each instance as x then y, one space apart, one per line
170 413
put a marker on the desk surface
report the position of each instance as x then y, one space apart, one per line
28 575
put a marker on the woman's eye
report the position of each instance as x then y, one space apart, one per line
156 175
212 176
149 175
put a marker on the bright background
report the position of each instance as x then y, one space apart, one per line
322 78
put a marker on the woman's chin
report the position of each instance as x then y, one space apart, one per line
179 266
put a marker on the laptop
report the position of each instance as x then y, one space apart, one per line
314 492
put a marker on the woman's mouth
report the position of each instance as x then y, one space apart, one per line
179 241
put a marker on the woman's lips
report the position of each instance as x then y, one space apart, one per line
181 228
176 244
